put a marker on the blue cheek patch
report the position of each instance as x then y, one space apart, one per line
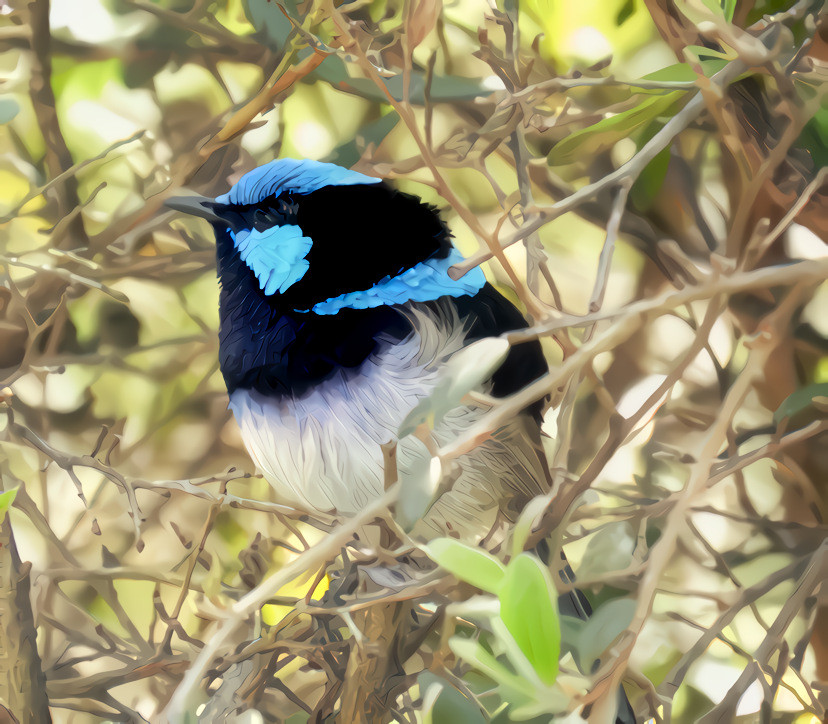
276 255
424 282
290 175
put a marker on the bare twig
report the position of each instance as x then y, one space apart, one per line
186 693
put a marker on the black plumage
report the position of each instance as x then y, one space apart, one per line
361 234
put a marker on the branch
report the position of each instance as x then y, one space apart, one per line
186 695
628 172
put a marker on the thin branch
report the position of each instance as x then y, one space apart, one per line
187 691
627 172
814 575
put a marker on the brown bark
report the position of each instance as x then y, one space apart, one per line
58 158
22 683
375 671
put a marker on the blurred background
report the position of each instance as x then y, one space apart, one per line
687 432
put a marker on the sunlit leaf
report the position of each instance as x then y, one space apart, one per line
528 607
467 563
6 500
608 131
588 31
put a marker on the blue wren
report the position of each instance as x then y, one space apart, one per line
337 314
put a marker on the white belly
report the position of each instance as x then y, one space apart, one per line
322 451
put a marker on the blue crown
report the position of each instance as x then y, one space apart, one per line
290 175
278 255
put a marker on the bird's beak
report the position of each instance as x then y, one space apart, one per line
196 206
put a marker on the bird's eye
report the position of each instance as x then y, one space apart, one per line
263 220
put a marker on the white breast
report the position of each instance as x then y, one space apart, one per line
322 451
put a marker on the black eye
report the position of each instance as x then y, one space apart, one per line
263 220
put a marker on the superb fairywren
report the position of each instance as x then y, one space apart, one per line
337 317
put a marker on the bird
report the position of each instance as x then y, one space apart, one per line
338 315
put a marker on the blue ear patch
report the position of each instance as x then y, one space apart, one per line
424 282
276 255
290 174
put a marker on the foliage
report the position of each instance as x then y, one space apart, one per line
643 178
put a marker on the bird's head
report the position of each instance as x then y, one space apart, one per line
316 238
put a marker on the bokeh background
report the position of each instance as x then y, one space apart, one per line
691 402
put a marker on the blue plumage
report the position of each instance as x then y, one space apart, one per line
425 282
319 263
289 175
275 255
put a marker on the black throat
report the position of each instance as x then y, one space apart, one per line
264 344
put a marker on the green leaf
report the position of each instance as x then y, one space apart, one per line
609 549
627 9
443 704
705 54
649 181
371 134
729 7
469 564
526 522
475 654
449 88
274 28
607 132
803 406
684 73
465 371
814 138
725 8
6 500
268 19
571 629
601 629
418 483
528 607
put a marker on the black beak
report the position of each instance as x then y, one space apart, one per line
201 206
